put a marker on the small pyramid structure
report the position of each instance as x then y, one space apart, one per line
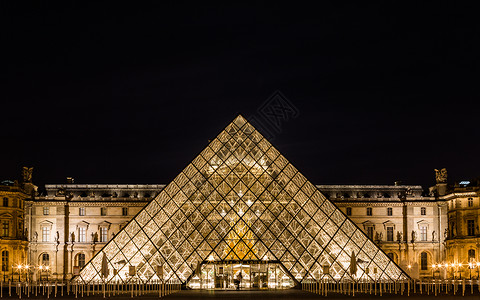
240 199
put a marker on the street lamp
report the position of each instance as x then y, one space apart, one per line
19 268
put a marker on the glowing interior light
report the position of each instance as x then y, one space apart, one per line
240 212
240 194
249 202
433 266
223 213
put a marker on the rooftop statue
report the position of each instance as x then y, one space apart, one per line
441 175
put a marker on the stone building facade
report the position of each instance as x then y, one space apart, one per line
404 222
13 231
72 222
431 233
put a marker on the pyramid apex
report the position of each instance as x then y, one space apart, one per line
239 121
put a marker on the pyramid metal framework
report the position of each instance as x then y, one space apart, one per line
240 199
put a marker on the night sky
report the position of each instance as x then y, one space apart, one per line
131 94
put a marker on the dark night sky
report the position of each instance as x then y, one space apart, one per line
111 94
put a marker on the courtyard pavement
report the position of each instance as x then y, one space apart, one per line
255 294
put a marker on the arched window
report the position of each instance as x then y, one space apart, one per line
471 255
45 259
424 261
80 261
5 262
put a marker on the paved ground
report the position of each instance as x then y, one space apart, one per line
258 294
292 294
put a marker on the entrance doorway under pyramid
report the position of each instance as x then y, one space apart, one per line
240 210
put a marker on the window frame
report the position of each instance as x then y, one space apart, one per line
46 210
45 233
81 211
82 234
390 234
369 211
471 227
348 211
424 261
423 211
124 211
423 233
5 260
103 234
389 211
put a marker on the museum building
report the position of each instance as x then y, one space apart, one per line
240 208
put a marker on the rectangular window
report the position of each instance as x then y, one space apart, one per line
5 228
46 210
423 261
369 211
390 234
103 211
81 211
5 202
370 232
389 211
124 211
471 227
82 234
423 233
45 233
349 211
423 211
103 234
470 202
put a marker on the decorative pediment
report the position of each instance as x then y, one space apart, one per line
6 216
422 223
367 224
83 224
388 224
104 224
45 223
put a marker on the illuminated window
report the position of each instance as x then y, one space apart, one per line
424 261
5 202
5 262
471 227
390 234
471 255
470 202
81 211
124 211
423 211
369 211
103 234
103 211
45 259
80 260
5 228
82 234
423 233
349 211
389 211
45 233
46 210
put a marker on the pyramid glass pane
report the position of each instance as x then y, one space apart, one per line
240 202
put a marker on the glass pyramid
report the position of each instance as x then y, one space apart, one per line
240 199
